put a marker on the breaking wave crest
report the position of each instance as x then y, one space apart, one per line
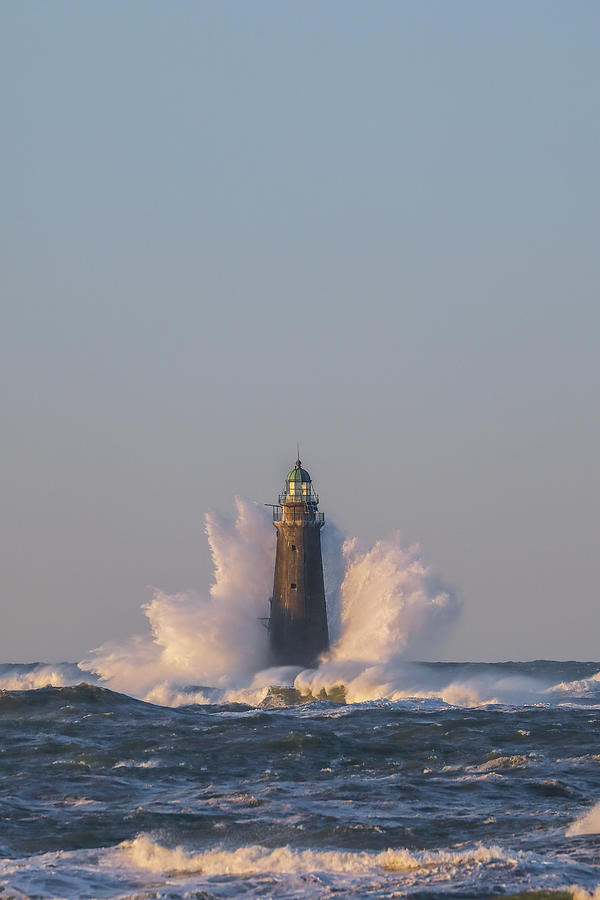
146 854
584 688
37 678
28 677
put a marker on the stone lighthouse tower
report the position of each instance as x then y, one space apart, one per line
298 624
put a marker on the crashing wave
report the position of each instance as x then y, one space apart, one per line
147 854
384 603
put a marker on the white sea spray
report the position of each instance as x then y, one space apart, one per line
588 823
385 603
38 677
216 639
386 607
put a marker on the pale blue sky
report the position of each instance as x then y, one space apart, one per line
370 226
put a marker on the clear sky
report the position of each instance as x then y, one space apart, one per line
373 227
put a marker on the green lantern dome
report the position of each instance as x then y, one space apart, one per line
299 474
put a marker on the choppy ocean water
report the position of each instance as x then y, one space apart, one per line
105 796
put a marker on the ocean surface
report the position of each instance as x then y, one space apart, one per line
103 795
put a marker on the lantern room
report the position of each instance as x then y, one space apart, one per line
298 486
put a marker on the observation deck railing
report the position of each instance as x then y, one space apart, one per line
298 512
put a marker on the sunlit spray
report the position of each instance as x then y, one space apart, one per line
384 605
216 639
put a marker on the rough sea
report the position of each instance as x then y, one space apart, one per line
175 764
105 796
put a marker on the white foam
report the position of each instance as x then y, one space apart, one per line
143 867
588 823
581 688
580 894
518 761
147 854
165 694
397 680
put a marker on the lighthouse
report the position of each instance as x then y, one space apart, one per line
298 631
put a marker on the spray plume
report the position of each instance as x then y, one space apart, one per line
217 639
384 604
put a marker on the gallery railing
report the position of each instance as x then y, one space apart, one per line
301 513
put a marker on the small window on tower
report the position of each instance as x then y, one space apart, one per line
293 586
293 546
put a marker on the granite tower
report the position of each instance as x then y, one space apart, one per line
298 632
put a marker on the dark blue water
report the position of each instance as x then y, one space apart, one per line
103 795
